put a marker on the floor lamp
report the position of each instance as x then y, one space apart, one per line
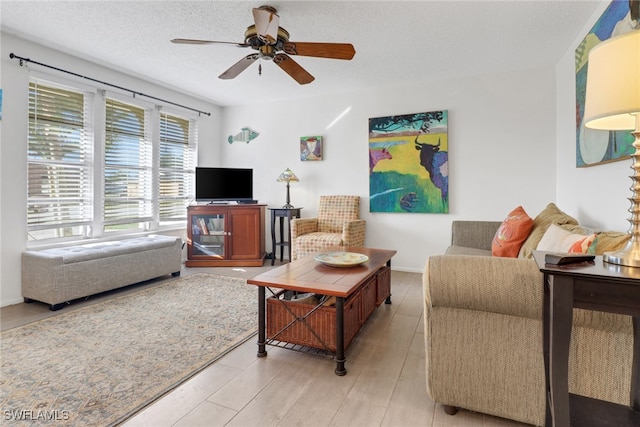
613 103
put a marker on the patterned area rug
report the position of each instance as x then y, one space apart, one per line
98 365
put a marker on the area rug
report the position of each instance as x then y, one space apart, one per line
98 365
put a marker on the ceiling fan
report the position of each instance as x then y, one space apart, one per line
272 43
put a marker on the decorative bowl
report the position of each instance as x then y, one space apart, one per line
341 259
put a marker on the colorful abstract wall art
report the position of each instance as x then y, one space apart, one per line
408 163
311 148
595 147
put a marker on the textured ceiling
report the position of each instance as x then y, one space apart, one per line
396 42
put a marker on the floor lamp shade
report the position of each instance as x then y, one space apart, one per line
612 102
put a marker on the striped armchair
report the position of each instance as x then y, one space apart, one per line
338 224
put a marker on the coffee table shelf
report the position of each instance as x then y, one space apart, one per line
301 348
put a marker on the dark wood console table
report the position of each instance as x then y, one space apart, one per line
282 213
593 286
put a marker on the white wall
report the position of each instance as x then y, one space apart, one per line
597 195
13 147
502 137
501 141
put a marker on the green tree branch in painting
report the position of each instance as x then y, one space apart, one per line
420 122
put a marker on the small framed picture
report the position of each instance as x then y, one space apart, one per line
311 148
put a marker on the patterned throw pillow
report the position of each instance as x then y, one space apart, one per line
550 215
555 239
512 232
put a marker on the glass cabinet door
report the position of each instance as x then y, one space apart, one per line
208 235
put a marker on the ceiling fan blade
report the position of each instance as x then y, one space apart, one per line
195 41
267 22
320 50
292 68
239 67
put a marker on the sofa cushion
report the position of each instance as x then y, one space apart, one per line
513 231
316 242
609 241
474 234
556 239
464 250
550 215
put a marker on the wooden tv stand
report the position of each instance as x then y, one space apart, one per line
221 235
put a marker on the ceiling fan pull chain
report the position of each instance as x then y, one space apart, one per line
260 68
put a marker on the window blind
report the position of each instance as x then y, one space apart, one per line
177 165
59 195
128 167
142 177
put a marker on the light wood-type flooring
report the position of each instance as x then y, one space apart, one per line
384 386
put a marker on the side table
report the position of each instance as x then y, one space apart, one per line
283 241
596 286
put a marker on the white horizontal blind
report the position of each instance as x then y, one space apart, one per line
75 194
59 200
177 164
128 167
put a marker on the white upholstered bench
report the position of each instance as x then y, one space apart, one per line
59 275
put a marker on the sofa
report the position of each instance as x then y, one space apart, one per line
483 327
57 276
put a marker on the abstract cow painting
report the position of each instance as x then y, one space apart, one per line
409 163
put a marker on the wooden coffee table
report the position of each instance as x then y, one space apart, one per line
306 275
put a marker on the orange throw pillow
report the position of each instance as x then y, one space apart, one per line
512 233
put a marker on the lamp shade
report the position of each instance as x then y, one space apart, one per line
287 176
613 83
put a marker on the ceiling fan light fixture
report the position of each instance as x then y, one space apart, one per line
268 8
252 38
267 52
267 23
272 43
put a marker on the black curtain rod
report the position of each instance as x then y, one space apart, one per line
22 60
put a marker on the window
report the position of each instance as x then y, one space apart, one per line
128 169
177 165
59 200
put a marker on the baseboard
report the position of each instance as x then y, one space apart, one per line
12 302
405 269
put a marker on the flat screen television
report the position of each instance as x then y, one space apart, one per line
224 184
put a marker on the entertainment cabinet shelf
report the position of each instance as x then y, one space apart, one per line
225 235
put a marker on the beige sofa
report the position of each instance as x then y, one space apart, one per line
483 333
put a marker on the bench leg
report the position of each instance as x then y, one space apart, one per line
450 410
52 307
56 307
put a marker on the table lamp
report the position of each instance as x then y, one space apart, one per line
288 176
613 103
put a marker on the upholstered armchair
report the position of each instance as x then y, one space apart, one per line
338 224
